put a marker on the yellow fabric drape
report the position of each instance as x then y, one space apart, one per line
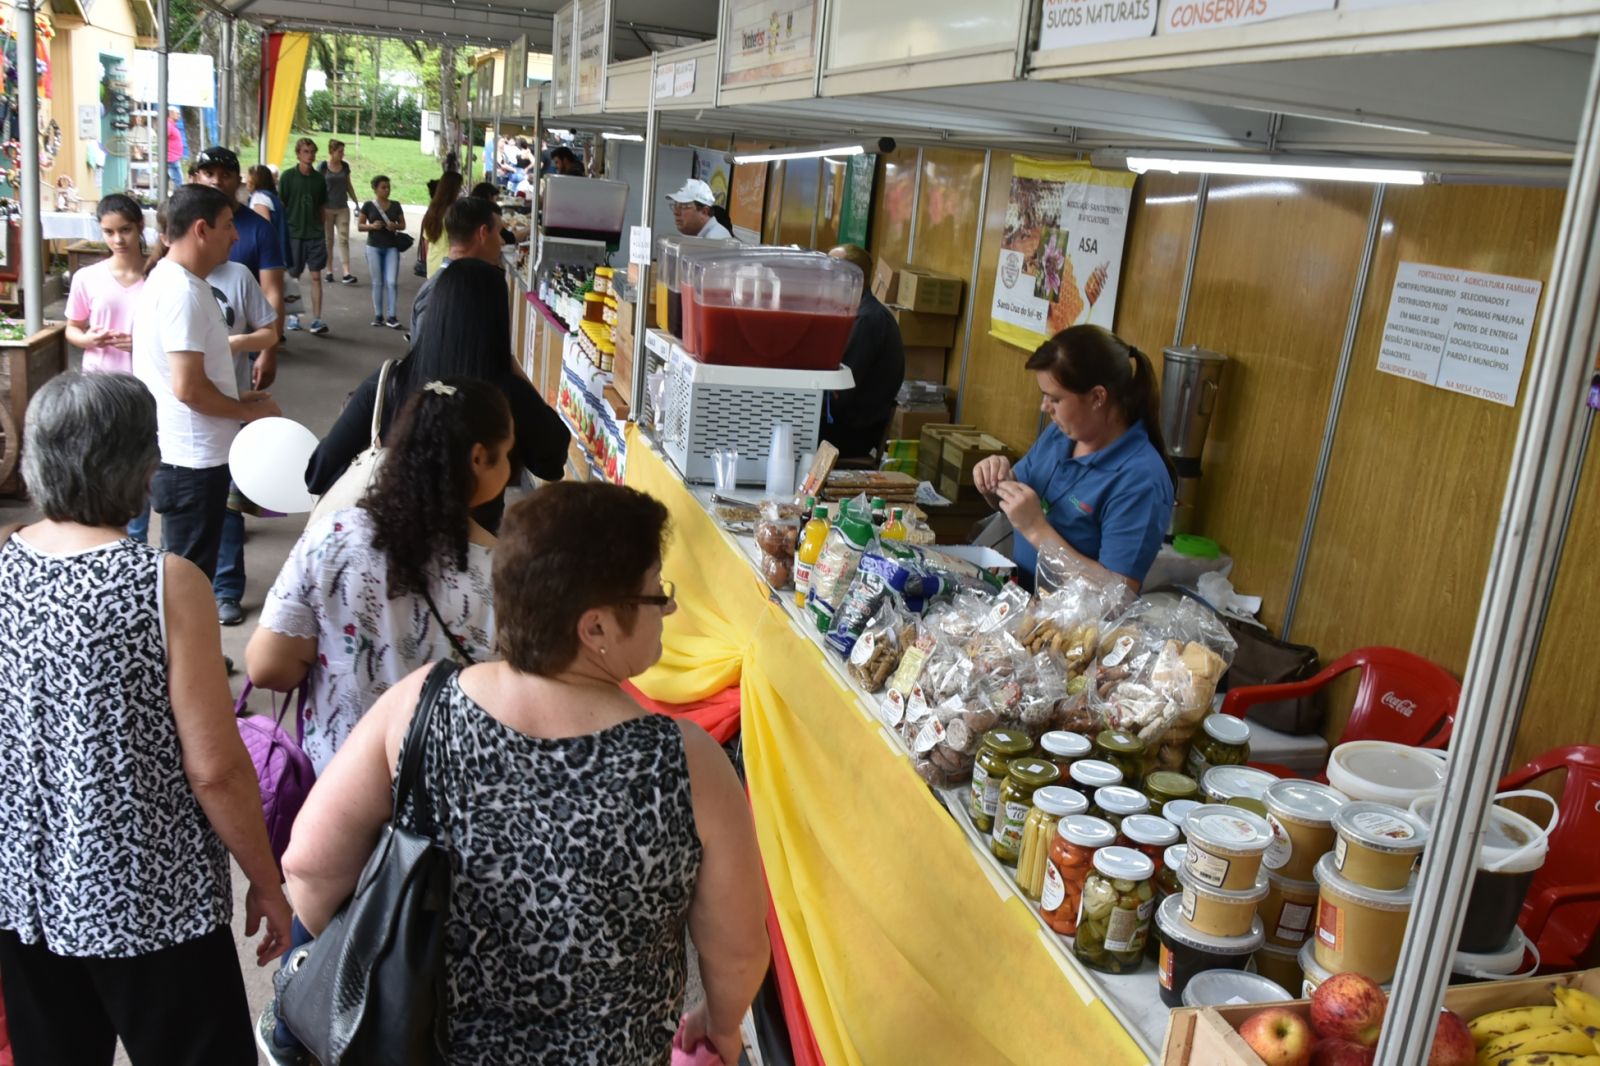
902 948
287 82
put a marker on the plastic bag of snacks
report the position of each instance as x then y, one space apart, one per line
1156 674
1068 620
878 651
776 536
835 569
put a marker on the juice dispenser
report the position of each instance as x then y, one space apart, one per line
671 254
777 309
1190 378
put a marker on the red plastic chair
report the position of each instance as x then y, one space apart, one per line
1562 912
1403 698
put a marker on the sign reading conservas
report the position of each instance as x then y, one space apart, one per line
1459 330
767 39
1061 254
1064 23
1184 16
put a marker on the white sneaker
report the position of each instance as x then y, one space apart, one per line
293 323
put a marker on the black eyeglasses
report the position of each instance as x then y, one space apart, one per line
668 597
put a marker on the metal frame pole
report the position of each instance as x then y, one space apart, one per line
972 284
1201 192
28 159
1544 473
159 126
647 214
225 86
916 208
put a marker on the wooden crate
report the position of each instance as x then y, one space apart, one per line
25 366
961 453
932 438
1209 1036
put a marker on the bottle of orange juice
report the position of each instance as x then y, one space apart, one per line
806 551
895 528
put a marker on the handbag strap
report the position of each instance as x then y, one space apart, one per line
409 778
300 694
377 405
455 642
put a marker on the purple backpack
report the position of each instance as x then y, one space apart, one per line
283 769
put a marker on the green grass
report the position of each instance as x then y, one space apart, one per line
408 169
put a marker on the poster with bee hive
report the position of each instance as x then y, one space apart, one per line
1062 250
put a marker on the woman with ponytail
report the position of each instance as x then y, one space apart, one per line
371 593
1097 482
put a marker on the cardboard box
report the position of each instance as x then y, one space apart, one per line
928 292
919 329
930 449
907 424
924 363
962 452
885 281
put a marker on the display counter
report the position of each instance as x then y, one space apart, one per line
908 940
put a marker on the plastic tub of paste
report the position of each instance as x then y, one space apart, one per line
1222 988
1385 772
1224 784
1301 816
1226 846
1185 951
1279 965
1378 845
1217 911
1288 911
1313 973
1359 928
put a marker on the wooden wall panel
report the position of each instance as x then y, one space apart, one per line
1273 276
1413 494
830 204
774 204
947 224
891 209
1153 261
799 208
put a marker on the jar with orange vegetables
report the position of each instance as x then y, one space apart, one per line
1067 867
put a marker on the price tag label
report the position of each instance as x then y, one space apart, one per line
639 245
682 78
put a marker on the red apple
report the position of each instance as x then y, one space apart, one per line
1349 1006
1452 1042
1281 1037
1338 1052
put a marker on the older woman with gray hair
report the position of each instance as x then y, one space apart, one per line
126 785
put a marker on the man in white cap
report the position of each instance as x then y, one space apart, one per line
691 210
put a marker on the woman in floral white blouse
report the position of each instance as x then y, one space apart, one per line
372 593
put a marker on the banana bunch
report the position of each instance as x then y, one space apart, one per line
1565 1034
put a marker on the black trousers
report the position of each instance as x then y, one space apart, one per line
179 1006
192 505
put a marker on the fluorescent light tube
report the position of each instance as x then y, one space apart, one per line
623 136
1248 169
800 153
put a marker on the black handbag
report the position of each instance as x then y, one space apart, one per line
404 241
371 988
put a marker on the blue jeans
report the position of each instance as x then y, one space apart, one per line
174 176
229 582
280 1033
384 266
191 504
139 528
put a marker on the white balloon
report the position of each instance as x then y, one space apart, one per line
268 462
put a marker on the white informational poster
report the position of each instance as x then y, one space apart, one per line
683 77
1184 16
1459 330
1065 23
191 79
665 75
768 39
591 66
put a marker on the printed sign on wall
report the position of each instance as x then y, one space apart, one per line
1061 253
768 39
1185 16
1065 23
1459 330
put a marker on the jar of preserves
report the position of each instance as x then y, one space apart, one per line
1167 881
1115 802
999 747
1064 749
1177 812
1123 750
1089 775
1050 804
1067 867
1114 918
1164 786
1223 741
1024 777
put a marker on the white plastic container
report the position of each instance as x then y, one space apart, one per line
1384 772
1222 988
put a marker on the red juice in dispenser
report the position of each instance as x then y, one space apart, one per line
771 308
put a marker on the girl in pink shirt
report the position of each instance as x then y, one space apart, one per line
104 296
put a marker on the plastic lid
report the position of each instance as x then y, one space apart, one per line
1229 782
1227 728
1173 857
1169 919
1065 745
594 297
1060 801
1171 783
1121 743
1007 741
604 272
1380 827
1303 801
1254 894
809 282
1511 843
1093 773
1034 773
1196 546
1177 812
1218 988
1227 829
1333 881
1086 832
820 511
1120 799
1150 830
1123 864
1492 964
879 501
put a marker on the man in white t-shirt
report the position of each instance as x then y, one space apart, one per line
181 353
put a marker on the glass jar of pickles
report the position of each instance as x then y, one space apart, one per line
1150 835
1024 777
1223 741
1164 786
1177 812
1123 750
1114 918
1000 746
1115 802
1089 775
1064 749
1050 804
1067 868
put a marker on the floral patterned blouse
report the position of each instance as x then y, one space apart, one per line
334 587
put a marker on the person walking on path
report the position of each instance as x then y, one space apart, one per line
383 221
472 231
444 194
182 354
263 185
176 148
305 195
259 248
126 783
336 215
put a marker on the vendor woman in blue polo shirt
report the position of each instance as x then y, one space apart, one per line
1097 482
